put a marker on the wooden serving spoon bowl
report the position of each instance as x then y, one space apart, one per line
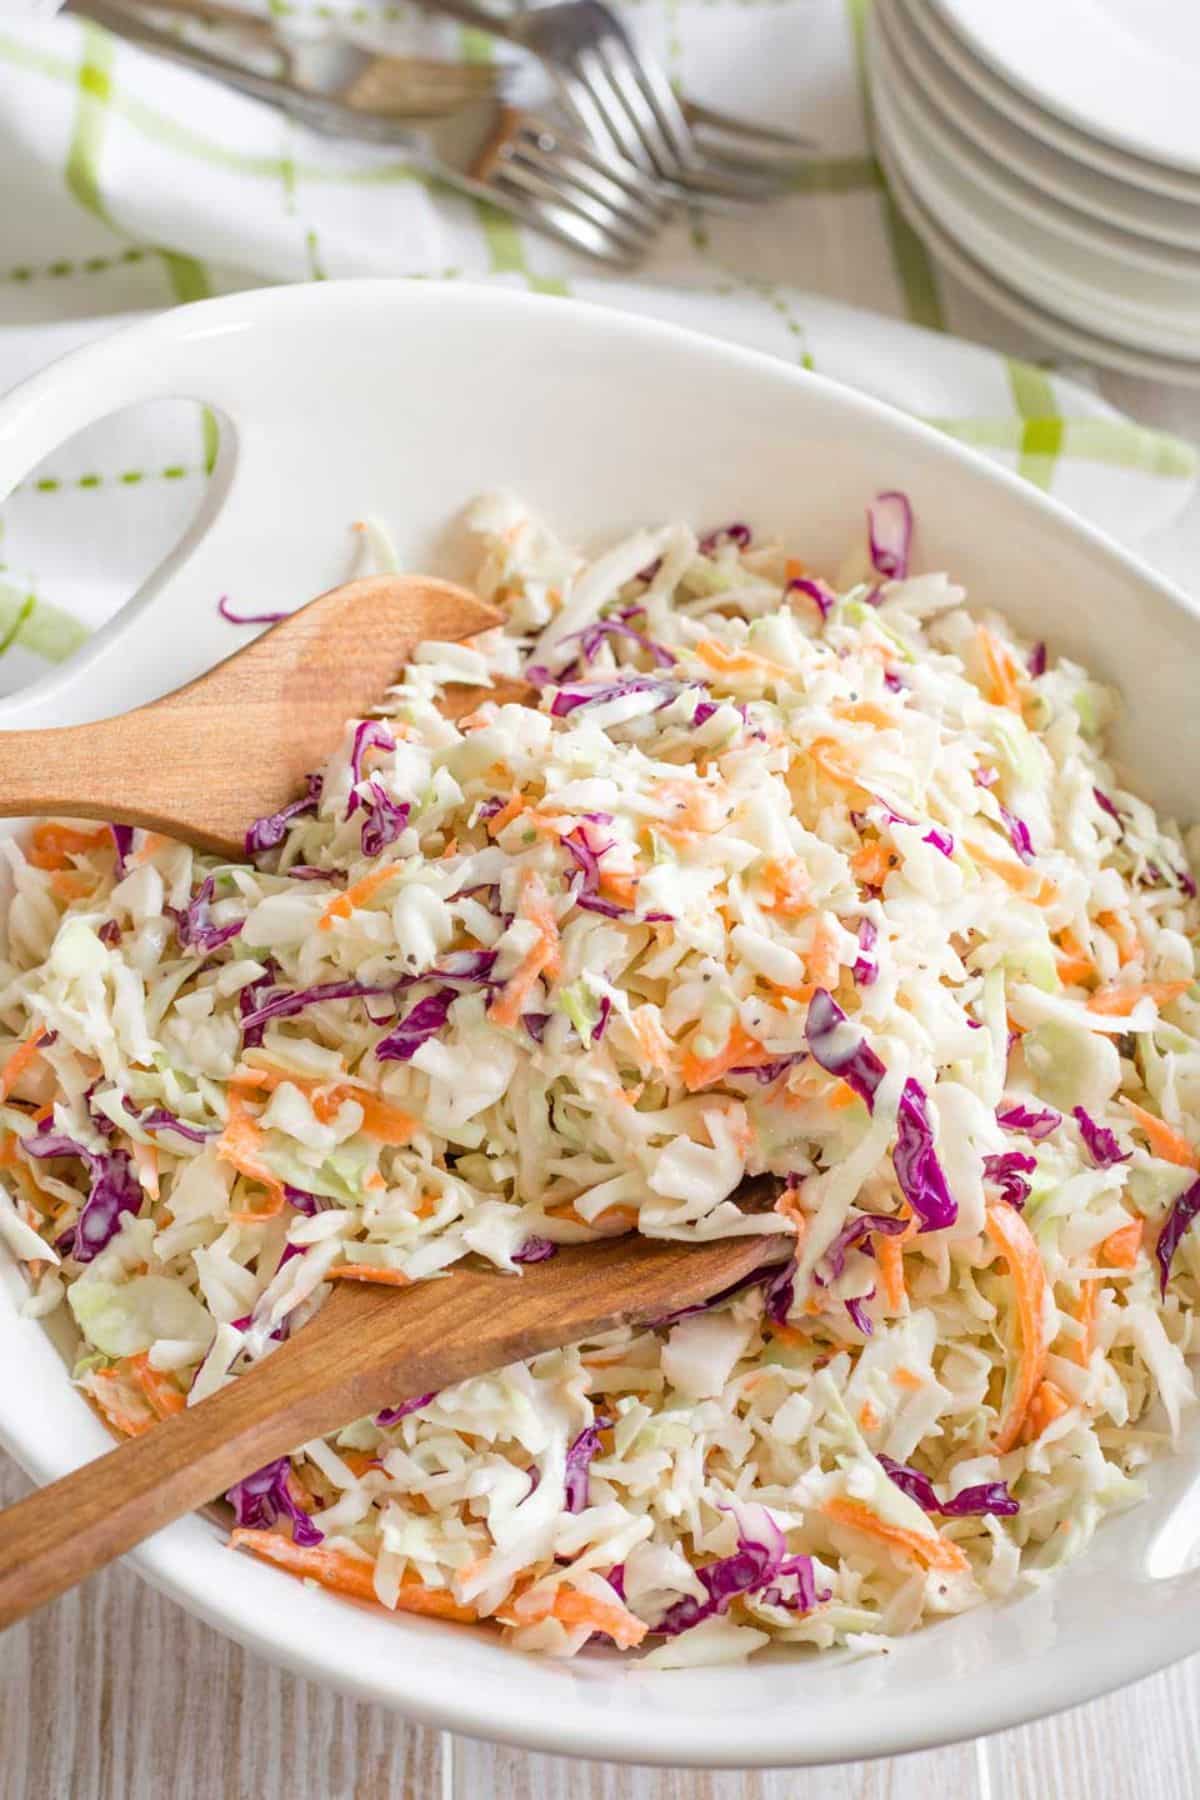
202 763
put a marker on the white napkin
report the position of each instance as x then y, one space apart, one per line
126 184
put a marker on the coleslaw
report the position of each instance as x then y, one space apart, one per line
829 881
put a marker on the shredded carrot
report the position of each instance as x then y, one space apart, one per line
124 1407
570 1607
1120 928
52 844
1171 1146
788 1207
618 885
359 1461
821 956
145 1161
346 1574
793 569
513 807
1075 966
1121 1248
71 884
1048 1403
741 1051
356 895
386 1123
890 1257
240 1144
369 1272
19 1061
927 1548
1080 1349
1014 1241
543 958
868 1418
1117 1002
163 1394
1004 682
830 757
1019 876
612 1222
657 1050
865 712
872 864
791 887
739 662
908 1378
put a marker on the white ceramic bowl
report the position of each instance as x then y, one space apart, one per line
404 401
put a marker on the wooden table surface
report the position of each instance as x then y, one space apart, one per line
115 1693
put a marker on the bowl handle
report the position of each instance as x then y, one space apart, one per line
161 358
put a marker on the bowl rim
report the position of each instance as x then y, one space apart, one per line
182 1560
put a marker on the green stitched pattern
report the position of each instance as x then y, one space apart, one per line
91 265
188 277
91 107
1041 439
57 484
1116 442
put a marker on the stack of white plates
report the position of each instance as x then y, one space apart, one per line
1048 151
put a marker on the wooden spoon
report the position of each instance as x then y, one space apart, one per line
202 763
367 1348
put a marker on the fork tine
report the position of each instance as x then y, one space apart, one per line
543 156
624 77
592 224
591 167
728 125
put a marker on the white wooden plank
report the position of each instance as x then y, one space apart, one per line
115 1693
1139 1741
500 1774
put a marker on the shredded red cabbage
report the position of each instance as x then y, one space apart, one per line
1037 660
369 734
940 839
422 1022
262 1499
1036 1122
193 927
1008 1171
766 1073
889 534
1182 1212
109 933
758 1565
852 1235
815 591
1018 833
920 1174
579 1458
535 1250
159 1119
856 1064
535 1024
568 698
115 1189
856 1307
986 1497
866 967
392 1415
226 611
1106 805
386 820
122 836
269 832
248 1000
736 533
1101 1144
285 1005
304 1202
593 636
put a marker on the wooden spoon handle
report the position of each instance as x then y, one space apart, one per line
367 1348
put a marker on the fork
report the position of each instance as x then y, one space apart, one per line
326 62
485 148
624 101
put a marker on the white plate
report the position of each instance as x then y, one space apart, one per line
1095 289
414 397
1047 326
1125 71
1086 151
912 78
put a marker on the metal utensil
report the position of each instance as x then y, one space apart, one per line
624 101
514 159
